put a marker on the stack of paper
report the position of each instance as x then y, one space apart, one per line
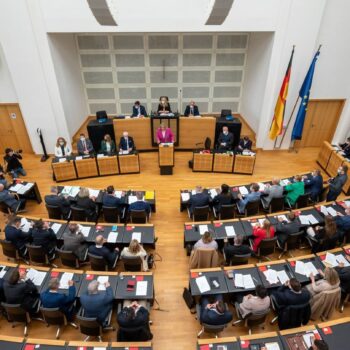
308 338
62 160
203 229
244 281
141 288
213 192
74 191
25 225
185 196
258 222
243 190
85 230
101 282
66 190
118 194
3 271
137 236
202 284
323 210
193 192
56 227
101 155
261 186
334 260
341 259
78 158
331 211
282 276
66 276
283 217
112 237
16 188
305 269
272 346
25 188
37 277
347 203
132 199
308 219
93 193
271 276
284 182
230 231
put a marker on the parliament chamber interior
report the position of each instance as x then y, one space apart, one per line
174 175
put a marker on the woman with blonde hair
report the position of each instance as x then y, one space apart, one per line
88 204
61 148
107 145
164 134
329 282
136 249
262 232
206 241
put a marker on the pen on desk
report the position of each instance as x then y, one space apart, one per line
255 280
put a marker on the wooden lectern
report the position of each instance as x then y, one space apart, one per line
166 158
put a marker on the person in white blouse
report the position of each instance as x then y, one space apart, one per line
61 148
136 249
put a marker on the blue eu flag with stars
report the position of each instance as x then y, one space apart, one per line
304 94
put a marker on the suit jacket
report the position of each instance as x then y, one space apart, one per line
103 148
105 253
198 200
294 190
169 136
274 191
81 148
75 243
135 111
17 236
343 222
222 199
109 200
188 111
314 186
23 293
285 296
140 205
211 317
284 229
59 153
123 145
245 145
337 183
59 201
160 108
232 250
141 319
228 139
44 238
250 197
8 199
344 276
60 300
89 206
97 305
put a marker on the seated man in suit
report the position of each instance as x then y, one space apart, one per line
16 236
134 316
109 198
199 199
314 185
126 143
291 294
44 237
225 140
318 344
343 223
223 198
191 110
285 228
214 313
270 192
252 196
336 183
58 201
51 298
238 248
140 204
10 200
99 250
138 110
244 144
97 304
84 145
344 277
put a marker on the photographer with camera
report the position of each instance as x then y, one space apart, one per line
14 166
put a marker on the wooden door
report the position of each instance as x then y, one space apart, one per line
321 120
13 132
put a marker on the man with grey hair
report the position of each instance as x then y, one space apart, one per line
53 199
199 199
100 250
270 192
51 298
97 304
237 249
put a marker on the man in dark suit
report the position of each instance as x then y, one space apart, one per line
97 304
9 200
199 199
223 198
140 204
314 185
243 144
126 143
214 313
99 250
191 110
59 201
343 223
51 298
344 276
109 198
291 294
336 183
16 236
138 110
84 146
285 228
225 140
237 249
44 237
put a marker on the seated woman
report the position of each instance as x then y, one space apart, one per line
87 203
61 148
206 241
294 190
44 237
107 145
136 249
260 233
223 198
329 282
164 106
164 134
323 237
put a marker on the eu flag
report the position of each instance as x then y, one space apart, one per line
304 94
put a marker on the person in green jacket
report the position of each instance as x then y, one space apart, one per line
107 145
294 190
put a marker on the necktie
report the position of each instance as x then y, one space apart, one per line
85 148
127 143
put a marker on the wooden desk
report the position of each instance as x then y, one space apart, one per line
11 343
324 155
126 345
76 345
86 167
166 155
129 163
335 333
223 163
335 161
46 344
64 171
244 164
202 161
346 187
270 337
108 165
213 344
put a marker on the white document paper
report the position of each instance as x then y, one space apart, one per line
101 155
261 186
304 220
239 283
16 187
283 217
141 288
56 227
312 219
341 259
96 348
3 271
300 267
93 193
66 276
347 203
282 276
85 230
331 259
308 338
66 190
74 191
203 229
212 192
62 160
101 281
185 196
112 237
323 210
25 188
193 192
284 182
272 346
331 211
202 284
118 194
310 268
78 157
137 236
132 199
37 277
243 190
271 276
248 282
230 231
25 225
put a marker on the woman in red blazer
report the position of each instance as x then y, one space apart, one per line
260 233
164 134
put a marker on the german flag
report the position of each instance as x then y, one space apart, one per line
277 122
